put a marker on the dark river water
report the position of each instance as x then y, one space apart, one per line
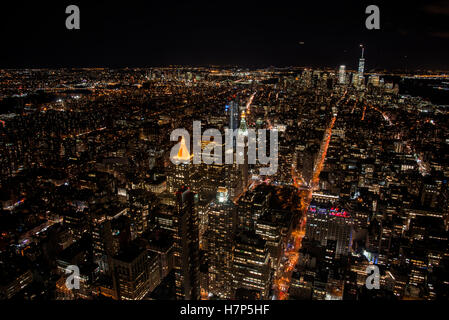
434 90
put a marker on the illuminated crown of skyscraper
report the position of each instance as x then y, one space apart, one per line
183 152
243 129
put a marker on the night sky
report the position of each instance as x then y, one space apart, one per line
245 33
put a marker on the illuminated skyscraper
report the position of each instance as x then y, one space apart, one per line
251 269
252 205
100 224
242 149
361 66
221 228
186 247
140 204
233 109
233 180
234 116
243 128
324 224
133 267
182 172
341 74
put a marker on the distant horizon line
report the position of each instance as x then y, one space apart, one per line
227 66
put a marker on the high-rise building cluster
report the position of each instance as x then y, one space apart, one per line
88 179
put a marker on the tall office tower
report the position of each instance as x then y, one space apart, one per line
330 253
103 224
233 180
273 226
245 211
186 246
234 115
342 75
243 127
213 173
325 224
251 267
386 236
361 66
242 149
252 205
234 118
160 242
182 172
102 241
285 159
141 202
244 171
77 222
221 228
212 176
135 272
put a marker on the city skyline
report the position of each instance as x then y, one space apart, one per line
225 159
